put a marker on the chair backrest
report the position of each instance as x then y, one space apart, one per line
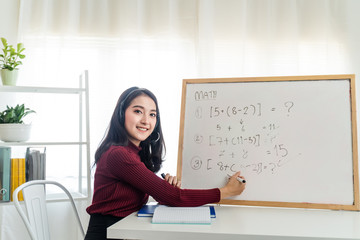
36 219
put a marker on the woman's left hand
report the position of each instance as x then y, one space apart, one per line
173 180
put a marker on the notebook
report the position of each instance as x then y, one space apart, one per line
182 215
148 211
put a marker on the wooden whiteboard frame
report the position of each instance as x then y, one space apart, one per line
351 77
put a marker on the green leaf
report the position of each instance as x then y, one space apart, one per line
4 42
28 112
20 109
12 51
20 46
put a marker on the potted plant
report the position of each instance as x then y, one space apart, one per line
10 59
12 126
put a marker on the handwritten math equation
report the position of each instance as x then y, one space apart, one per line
247 110
233 140
225 166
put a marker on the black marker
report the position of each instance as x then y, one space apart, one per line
163 175
239 179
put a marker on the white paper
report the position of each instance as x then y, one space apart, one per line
182 215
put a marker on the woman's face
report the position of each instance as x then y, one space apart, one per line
140 119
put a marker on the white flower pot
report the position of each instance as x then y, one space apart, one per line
14 132
9 77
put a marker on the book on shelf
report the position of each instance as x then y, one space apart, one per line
17 175
22 175
182 215
14 176
5 174
35 163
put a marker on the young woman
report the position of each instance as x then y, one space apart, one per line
126 162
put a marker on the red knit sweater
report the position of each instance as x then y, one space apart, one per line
123 184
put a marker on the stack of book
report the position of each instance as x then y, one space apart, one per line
182 215
177 215
35 164
16 171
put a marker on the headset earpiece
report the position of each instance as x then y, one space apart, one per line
122 112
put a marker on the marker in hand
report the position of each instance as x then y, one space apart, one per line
239 179
163 175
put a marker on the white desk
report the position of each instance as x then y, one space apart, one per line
250 223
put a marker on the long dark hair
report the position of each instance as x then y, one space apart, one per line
152 148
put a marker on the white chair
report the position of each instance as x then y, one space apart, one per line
36 219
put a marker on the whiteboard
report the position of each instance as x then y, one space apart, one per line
292 138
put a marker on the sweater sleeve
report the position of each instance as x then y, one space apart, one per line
132 171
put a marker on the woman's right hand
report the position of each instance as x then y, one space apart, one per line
173 180
233 187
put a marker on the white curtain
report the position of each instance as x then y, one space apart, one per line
157 43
